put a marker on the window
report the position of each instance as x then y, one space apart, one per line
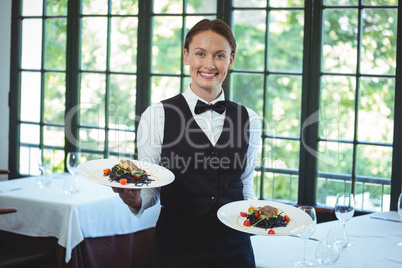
357 88
323 78
42 82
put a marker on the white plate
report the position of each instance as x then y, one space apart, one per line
229 214
93 171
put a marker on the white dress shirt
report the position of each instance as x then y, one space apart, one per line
150 138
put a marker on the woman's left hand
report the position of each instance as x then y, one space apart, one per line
131 197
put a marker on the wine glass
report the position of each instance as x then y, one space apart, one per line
307 234
71 185
344 210
44 160
400 212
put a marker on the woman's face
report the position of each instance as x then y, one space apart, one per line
209 58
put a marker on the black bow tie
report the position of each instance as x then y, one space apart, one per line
218 107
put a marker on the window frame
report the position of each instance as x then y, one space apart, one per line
310 87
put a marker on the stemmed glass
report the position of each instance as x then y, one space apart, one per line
307 234
71 185
344 210
400 212
44 160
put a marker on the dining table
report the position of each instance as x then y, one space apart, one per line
76 222
373 240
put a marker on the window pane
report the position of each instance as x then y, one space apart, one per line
29 134
58 162
249 30
248 90
374 161
279 186
281 154
168 6
341 2
250 3
32 7
196 6
123 7
340 40
122 101
164 87
27 161
91 138
283 105
285 30
94 6
286 3
286 187
123 45
56 36
167 45
334 169
53 136
31 44
56 7
92 110
334 157
30 96
379 41
55 91
373 173
380 2
329 185
93 40
372 196
337 107
376 110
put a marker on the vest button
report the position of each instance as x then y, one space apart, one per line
213 198
214 152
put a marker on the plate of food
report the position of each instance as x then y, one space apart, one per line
125 173
264 217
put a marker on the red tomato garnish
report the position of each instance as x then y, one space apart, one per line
106 171
256 214
247 223
123 181
271 232
243 214
286 218
137 176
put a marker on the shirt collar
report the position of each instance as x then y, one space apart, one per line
192 98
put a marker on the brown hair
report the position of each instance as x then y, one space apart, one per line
217 26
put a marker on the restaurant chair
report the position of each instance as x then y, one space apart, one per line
13 258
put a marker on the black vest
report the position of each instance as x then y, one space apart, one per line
207 177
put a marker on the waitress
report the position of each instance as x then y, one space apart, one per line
210 144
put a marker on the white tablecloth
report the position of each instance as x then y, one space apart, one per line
95 211
373 244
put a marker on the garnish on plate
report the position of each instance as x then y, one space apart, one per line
266 217
127 172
